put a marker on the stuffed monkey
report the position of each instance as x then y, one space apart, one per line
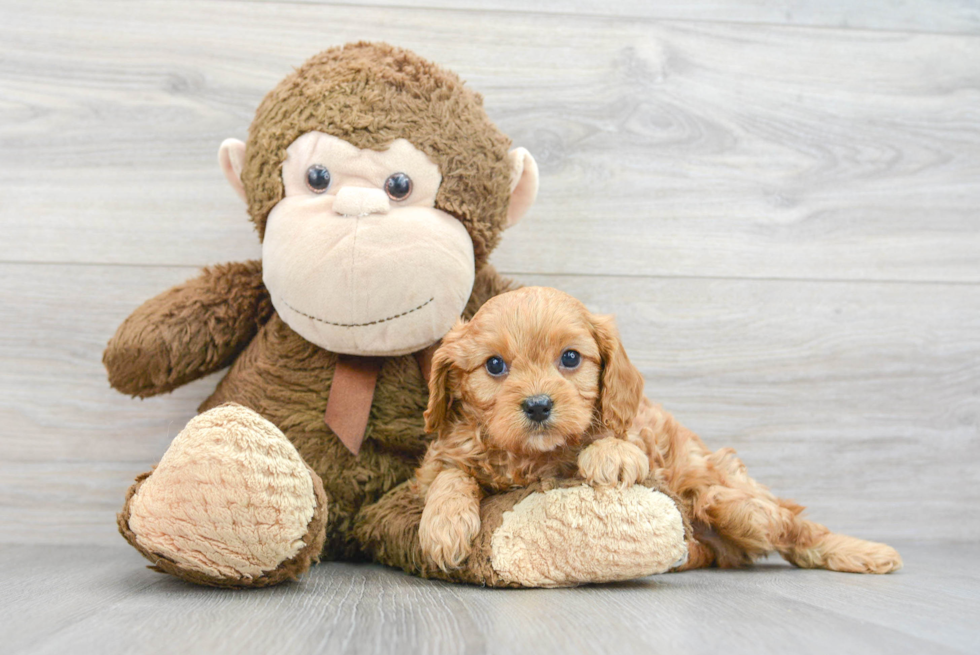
378 187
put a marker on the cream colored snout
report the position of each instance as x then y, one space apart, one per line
360 201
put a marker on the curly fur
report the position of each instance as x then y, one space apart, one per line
485 442
735 519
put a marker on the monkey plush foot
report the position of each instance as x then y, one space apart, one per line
567 536
548 535
231 504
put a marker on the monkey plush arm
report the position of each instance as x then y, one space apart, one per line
193 329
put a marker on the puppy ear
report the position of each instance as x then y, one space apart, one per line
621 383
440 395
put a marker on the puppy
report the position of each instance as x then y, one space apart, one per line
534 386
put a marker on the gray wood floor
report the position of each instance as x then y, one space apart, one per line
98 599
780 201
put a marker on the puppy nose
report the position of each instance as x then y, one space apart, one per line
537 408
360 201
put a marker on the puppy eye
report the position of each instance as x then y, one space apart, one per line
317 178
496 366
398 186
571 359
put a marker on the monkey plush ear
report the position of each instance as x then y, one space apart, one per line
523 184
231 156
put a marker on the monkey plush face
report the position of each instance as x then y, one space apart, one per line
379 186
356 256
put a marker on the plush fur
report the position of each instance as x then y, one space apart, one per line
204 487
601 535
190 331
550 539
282 377
370 94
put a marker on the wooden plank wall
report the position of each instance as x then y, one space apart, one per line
779 200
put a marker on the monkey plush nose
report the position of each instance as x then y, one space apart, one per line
360 201
537 408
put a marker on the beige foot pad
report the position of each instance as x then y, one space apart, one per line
230 504
579 534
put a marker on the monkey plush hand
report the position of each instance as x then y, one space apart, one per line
378 187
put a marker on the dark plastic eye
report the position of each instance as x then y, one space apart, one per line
318 178
496 366
398 186
571 359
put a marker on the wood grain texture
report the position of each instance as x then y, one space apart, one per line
954 16
100 600
859 400
668 149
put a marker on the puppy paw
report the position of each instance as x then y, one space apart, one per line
879 559
838 552
613 462
450 520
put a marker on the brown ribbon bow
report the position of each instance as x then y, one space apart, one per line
352 391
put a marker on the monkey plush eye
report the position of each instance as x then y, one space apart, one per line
571 359
317 178
398 186
496 366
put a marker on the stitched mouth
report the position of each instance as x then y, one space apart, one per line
350 325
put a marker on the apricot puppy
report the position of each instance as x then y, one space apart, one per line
534 386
